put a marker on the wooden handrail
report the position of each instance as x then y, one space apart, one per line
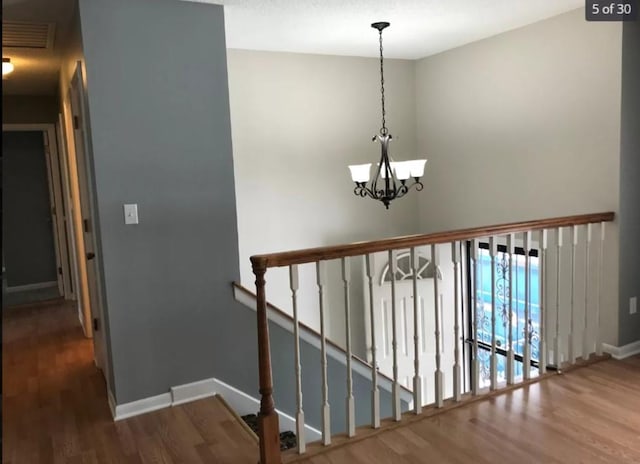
310 255
314 332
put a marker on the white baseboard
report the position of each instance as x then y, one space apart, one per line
28 287
193 391
241 402
621 352
135 408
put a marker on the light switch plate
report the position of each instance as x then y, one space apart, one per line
131 214
633 305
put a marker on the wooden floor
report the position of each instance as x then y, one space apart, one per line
590 415
54 406
54 410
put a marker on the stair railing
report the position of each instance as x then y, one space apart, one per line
558 342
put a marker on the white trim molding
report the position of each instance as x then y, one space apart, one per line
194 391
29 287
622 352
240 401
143 406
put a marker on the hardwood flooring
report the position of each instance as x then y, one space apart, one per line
29 297
54 406
55 411
589 415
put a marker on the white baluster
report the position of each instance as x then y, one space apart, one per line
526 351
351 407
397 411
557 355
326 412
542 273
586 348
417 379
571 337
457 370
494 355
293 283
438 376
599 296
510 353
375 392
475 363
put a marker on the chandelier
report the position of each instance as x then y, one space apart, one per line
392 178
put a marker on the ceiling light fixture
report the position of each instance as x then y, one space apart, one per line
391 179
7 66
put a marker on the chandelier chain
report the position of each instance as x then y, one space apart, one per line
383 129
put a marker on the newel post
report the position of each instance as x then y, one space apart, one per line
268 428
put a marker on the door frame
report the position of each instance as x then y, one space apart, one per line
77 117
75 218
65 175
55 197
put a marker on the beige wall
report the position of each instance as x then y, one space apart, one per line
29 109
297 121
524 125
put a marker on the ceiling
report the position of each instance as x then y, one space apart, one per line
334 27
342 27
36 70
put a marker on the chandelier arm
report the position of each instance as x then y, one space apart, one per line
386 195
404 189
366 192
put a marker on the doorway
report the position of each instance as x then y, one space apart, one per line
36 265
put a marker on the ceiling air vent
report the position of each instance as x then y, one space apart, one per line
19 34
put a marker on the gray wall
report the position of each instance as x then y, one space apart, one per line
29 109
159 112
27 236
630 183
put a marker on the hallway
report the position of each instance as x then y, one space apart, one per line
55 408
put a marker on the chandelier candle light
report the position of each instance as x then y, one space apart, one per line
390 181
